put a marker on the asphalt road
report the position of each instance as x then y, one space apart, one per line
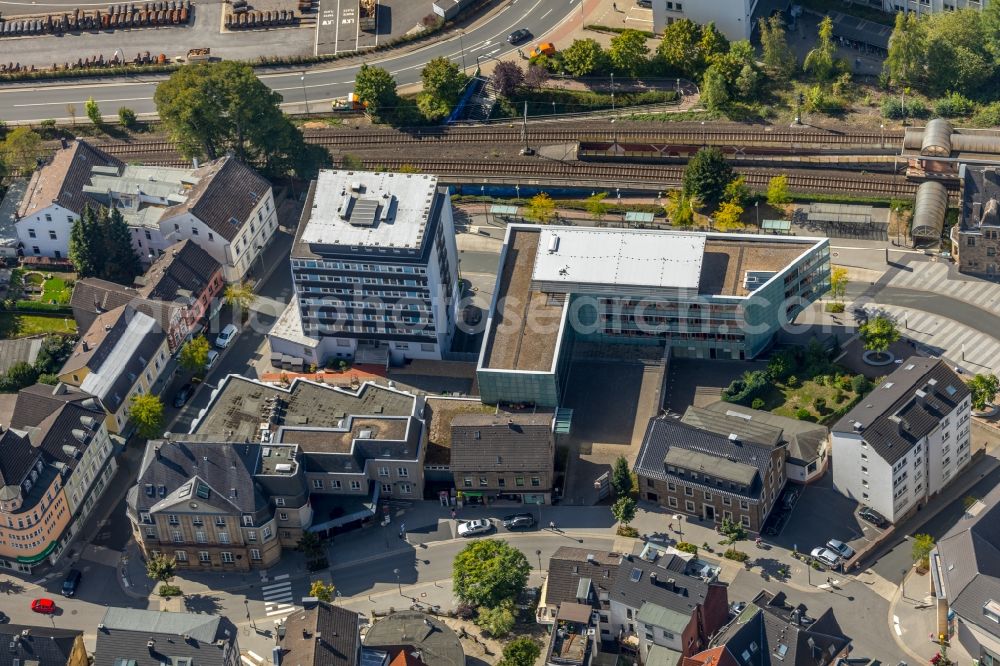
33 102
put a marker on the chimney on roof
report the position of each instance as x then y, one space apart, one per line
652 577
672 584
921 397
734 438
156 451
85 345
591 559
151 644
858 427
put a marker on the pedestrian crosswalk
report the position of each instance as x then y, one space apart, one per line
278 596
934 277
972 350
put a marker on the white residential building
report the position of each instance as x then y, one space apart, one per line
223 206
375 269
906 440
926 6
733 18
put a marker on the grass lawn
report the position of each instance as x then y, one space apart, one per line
55 290
16 325
785 401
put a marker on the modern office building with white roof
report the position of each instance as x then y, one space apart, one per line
375 269
699 295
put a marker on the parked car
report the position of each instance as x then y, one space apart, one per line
874 517
226 336
475 527
545 48
518 36
213 356
518 520
840 548
183 395
826 556
71 582
46 606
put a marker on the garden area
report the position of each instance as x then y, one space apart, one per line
40 288
800 383
21 325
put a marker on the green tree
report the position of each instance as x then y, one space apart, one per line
241 297
210 109
714 89
777 54
584 57
878 334
194 354
733 531
621 477
322 591
507 78
921 549
311 546
443 83
161 568
596 206
624 510
126 117
679 52
984 388
838 282
541 208
991 29
907 49
522 651
712 43
627 52
489 571
20 149
18 376
777 191
821 61
706 176
497 620
93 111
376 89
146 413
119 262
86 244
737 191
781 365
679 209
728 216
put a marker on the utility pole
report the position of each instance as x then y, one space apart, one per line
524 131
304 96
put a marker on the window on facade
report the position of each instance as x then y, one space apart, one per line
519 481
403 472
745 520
279 501
482 482
181 555
405 488
282 516
689 491
251 535
468 482
227 558
32 234
172 519
745 505
177 536
200 537
52 235
318 484
501 482
266 532
672 502
203 557
689 506
535 482
355 485
383 471
220 521
254 554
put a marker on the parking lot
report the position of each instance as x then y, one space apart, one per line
803 532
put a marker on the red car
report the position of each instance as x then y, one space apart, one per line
46 606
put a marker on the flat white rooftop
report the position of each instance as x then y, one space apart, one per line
663 259
367 209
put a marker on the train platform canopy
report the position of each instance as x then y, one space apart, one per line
839 214
497 209
940 139
776 226
929 208
636 217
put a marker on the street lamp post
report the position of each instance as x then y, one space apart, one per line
553 108
302 78
612 92
399 586
249 619
538 553
882 127
486 210
461 42
756 207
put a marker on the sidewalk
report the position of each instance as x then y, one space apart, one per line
913 618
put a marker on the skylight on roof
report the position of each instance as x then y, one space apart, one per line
636 575
781 651
951 389
203 491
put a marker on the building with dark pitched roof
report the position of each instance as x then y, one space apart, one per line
503 456
134 637
41 646
965 578
424 637
215 505
54 466
711 475
772 632
120 356
906 440
55 198
322 635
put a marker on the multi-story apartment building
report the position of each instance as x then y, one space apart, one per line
906 440
700 295
356 446
57 460
660 600
153 638
181 290
733 18
926 6
223 206
508 457
216 506
42 646
374 265
975 240
712 476
122 355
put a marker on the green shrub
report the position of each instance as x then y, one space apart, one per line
954 105
747 387
793 382
615 30
839 396
126 117
819 404
758 403
736 555
38 306
988 116
686 547
834 307
803 414
166 590
628 531
860 384
893 109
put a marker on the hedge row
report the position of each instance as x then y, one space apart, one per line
42 308
597 27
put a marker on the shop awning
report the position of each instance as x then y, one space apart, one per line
32 559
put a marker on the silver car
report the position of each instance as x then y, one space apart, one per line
826 556
840 548
474 527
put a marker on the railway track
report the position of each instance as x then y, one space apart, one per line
359 139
